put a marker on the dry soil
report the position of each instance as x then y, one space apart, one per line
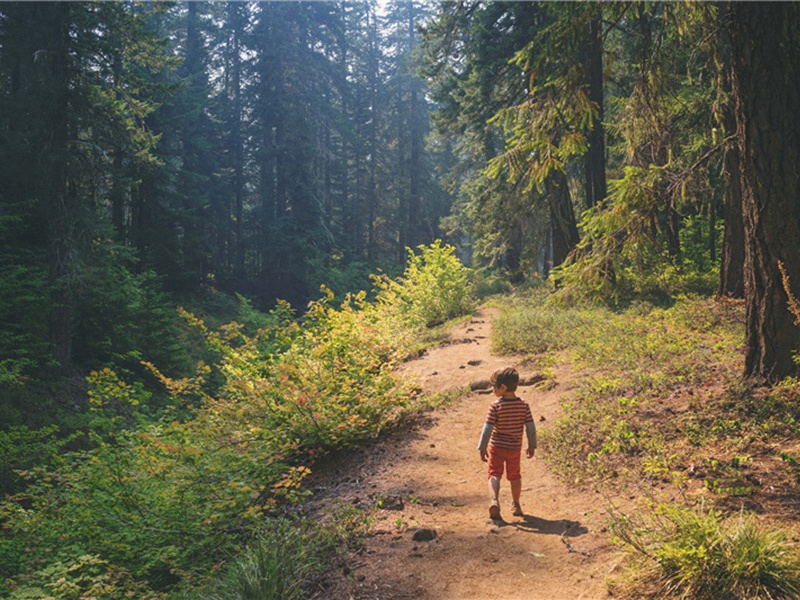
430 477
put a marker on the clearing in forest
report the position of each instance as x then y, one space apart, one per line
431 478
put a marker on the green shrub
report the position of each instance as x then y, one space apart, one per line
488 283
85 576
189 483
21 449
697 554
433 288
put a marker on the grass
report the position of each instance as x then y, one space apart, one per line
288 558
660 406
696 553
278 566
649 369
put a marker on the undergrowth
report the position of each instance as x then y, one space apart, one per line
150 504
660 403
697 553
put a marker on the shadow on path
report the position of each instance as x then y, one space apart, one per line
562 527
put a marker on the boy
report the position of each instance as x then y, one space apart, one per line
501 439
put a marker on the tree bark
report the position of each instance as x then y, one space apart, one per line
731 269
236 21
562 215
596 155
59 214
766 90
415 167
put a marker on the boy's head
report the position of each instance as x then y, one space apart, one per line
506 376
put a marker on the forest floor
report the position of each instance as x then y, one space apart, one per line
430 477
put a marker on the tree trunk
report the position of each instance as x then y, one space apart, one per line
415 166
59 214
596 154
238 147
372 192
672 227
562 216
766 90
513 257
731 269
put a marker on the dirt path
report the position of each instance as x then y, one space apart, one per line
433 478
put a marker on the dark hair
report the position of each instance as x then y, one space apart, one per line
507 376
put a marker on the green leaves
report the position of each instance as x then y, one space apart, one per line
158 500
433 289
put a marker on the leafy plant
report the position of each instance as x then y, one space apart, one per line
433 288
193 481
695 553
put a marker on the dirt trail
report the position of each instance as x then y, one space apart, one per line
433 478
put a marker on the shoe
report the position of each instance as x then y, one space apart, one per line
494 511
518 510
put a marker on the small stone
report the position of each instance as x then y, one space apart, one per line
424 535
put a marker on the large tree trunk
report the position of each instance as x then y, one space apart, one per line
596 155
766 89
562 216
59 213
731 269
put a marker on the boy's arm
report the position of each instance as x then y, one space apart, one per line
486 434
530 431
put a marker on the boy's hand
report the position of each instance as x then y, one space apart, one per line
484 455
529 452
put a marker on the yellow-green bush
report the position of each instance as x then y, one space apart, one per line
433 288
161 500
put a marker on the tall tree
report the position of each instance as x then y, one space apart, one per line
731 268
596 147
470 50
71 118
766 90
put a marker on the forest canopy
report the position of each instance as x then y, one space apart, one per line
157 154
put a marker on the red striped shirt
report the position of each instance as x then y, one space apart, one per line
508 418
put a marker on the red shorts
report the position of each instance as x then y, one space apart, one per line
510 458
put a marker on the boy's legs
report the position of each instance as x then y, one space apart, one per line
496 464
494 489
515 479
516 490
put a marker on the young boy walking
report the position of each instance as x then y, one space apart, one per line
501 438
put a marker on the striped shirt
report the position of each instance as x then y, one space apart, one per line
508 418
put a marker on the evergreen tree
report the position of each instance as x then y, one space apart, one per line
766 89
